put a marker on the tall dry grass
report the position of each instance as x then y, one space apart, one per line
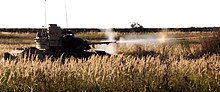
114 73
173 67
211 44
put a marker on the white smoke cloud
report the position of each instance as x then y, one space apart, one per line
146 39
109 48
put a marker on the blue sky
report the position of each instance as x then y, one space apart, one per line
110 13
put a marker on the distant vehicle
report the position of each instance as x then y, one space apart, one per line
136 26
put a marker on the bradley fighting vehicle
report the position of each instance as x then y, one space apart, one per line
56 43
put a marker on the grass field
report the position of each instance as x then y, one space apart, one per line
190 62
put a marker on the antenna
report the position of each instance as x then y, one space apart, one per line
66 13
45 12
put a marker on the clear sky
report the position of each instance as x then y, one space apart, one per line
110 13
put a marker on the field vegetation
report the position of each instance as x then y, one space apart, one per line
189 63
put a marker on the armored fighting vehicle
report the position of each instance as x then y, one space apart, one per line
56 43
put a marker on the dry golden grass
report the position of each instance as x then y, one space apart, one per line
174 67
115 73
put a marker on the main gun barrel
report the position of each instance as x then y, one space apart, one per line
97 43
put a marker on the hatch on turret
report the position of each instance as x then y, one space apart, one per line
49 39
